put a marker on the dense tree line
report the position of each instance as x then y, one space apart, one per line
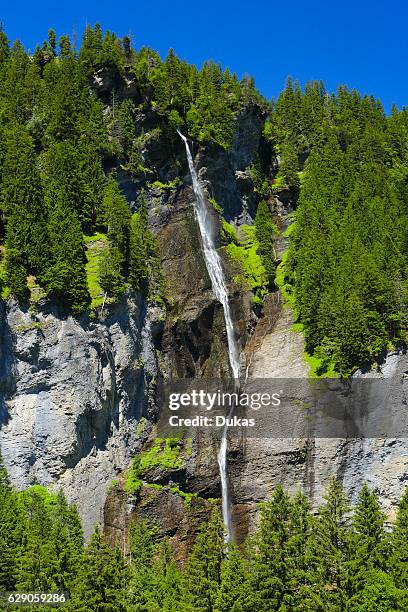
340 558
342 157
347 263
58 138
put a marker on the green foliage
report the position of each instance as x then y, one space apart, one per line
338 559
145 266
65 279
98 585
245 255
164 453
203 573
228 234
264 231
169 185
289 165
347 259
95 246
133 482
188 497
117 217
399 544
110 276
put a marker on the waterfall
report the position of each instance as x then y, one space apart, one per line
216 274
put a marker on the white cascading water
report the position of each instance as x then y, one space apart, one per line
216 274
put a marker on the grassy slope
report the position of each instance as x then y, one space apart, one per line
94 246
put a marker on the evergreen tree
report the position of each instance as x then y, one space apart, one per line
264 229
203 572
269 572
399 545
110 268
333 544
368 537
16 274
234 588
34 569
289 165
145 266
117 218
21 199
101 579
9 518
65 278
379 594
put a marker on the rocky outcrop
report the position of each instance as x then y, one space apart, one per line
72 395
177 500
257 466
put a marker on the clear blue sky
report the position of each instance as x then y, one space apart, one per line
360 43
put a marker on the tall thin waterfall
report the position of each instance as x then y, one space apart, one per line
216 274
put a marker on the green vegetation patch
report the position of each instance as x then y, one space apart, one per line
321 366
4 290
164 453
133 483
253 275
94 247
170 185
187 497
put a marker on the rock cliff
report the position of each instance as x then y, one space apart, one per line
73 391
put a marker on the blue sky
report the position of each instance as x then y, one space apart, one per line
359 43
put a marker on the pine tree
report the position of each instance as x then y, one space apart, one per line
139 268
303 588
4 47
110 267
333 544
66 173
264 228
65 107
65 278
145 266
9 518
21 198
368 537
289 165
16 274
66 541
398 562
379 594
144 583
269 572
101 578
233 592
34 569
203 572
117 217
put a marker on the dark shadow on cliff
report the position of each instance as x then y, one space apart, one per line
7 382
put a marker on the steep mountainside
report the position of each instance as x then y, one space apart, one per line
105 291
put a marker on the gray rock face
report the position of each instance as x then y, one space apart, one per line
308 464
72 393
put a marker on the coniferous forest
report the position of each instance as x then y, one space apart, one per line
63 143
345 272
340 558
